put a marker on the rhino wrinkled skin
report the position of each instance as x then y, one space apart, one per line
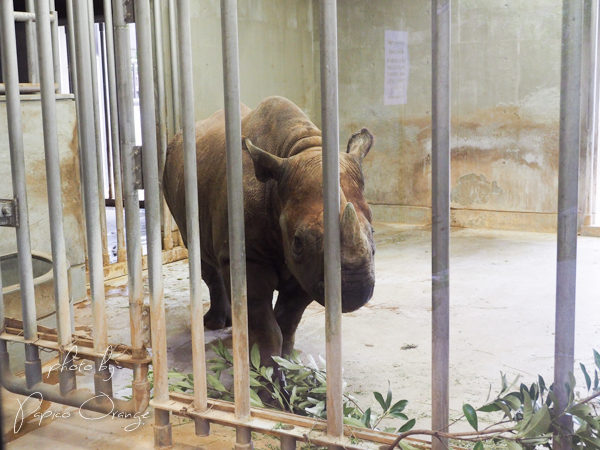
283 217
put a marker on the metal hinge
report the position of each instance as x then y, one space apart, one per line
9 213
138 175
146 330
129 11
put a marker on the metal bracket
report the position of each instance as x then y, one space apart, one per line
146 330
9 213
129 11
138 176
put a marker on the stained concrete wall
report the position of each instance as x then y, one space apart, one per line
37 195
505 99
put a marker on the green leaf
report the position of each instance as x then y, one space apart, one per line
399 406
407 426
287 364
513 445
490 407
367 418
588 380
581 410
388 400
255 400
513 401
380 400
542 384
398 415
353 422
255 357
538 425
527 411
406 446
471 415
215 383
597 358
478 446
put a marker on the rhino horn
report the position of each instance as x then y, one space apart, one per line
266 165
350 226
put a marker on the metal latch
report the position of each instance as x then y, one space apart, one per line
9 213
138 176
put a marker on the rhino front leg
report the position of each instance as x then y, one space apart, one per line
262 326
219 314
288 312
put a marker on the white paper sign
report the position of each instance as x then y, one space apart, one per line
396 67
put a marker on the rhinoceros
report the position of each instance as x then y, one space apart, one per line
283 218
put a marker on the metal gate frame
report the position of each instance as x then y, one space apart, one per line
199 408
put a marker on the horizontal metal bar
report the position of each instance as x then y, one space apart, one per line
266 421
27 88
21 16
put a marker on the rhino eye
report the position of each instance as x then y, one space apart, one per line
297 245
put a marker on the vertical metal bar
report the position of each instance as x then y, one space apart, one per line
32 67
162 120
191 205
17 163
569 138
114 129
132 213
106 101
55 206
98 132
152 199
235 201
173 31
90 172
331 206
55 50
440 212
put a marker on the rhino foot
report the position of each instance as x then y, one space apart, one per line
214 321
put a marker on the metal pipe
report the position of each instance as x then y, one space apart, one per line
105 100
98 132
152 199
21 16
440 213
331 206
52 157
32 67
132 213
55 49
191 204
114 129
175 76
90 173
569 138
161 108
17 163
235 203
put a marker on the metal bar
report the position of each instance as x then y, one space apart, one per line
32 67
175 76
90 172
440 212
55 50
331 206
17 162
235 203
55 205
132 213
105 100
161 108
21 16
152 198
27 88
114 129
98 132
191 203
569 138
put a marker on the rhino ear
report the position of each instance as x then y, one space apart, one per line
360 143
266 166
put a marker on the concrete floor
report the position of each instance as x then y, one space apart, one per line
502 320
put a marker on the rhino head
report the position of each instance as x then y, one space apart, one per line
299 204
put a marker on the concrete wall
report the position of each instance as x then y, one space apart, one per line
37 195
505 98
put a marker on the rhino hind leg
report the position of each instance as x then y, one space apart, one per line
289 308
219 314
